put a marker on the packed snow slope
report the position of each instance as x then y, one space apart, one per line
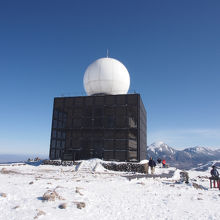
89 191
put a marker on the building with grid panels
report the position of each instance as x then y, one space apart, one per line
110 127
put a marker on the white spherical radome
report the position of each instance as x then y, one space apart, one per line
106 76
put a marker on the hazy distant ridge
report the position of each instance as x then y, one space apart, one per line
5 158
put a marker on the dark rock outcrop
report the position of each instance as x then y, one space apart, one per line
124 167
60 163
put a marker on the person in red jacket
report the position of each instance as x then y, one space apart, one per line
164 163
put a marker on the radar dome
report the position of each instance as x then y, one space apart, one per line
106 76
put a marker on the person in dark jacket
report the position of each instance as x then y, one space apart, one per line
214 172
152 165
159 162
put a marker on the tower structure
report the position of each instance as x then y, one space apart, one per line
108 123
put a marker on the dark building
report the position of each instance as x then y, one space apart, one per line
110 127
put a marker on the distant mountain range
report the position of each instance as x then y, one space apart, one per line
6 158
183 159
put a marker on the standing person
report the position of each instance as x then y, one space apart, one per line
159 162
164 163
214 172
152 165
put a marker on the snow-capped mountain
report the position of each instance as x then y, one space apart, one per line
201 151
185 159
160 150
161 147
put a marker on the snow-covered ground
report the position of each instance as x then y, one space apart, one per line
89 191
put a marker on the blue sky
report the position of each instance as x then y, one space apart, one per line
171 49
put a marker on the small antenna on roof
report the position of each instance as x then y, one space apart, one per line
107 54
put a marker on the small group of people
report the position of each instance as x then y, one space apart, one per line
163 162
152 164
